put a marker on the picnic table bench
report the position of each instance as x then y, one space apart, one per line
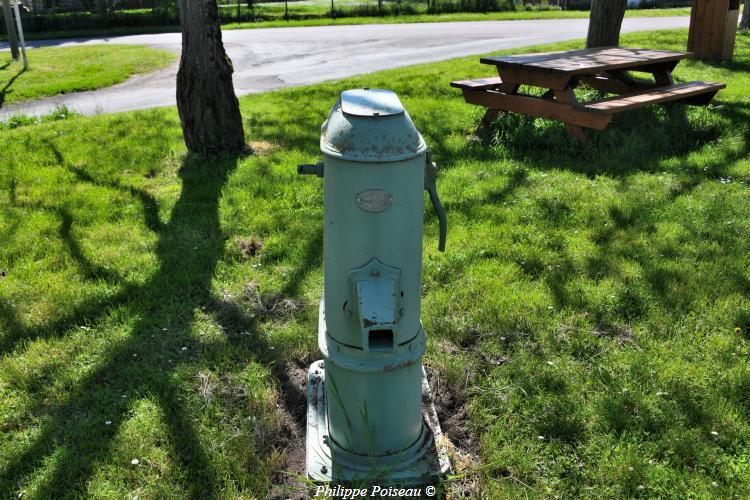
559 73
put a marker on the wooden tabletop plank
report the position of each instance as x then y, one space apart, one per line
586 61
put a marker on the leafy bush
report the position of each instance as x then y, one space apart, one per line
165 13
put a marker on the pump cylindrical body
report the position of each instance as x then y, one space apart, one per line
374 413
370 329
353 236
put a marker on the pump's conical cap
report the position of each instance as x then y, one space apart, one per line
370 125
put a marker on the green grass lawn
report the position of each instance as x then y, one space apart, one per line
321 8
588 326
273 13
61 70
460 16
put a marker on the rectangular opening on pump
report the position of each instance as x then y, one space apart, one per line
380 340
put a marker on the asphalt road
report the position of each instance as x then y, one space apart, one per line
266 59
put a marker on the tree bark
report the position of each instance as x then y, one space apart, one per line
11 29
605 22
209 110
102 8
745 21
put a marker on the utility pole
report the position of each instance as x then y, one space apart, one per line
12 39
20 35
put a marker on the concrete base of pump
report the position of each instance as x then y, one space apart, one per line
422 463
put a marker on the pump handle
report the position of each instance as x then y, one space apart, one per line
430 176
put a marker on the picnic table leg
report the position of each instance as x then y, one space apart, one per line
623 76
662 72
567 96
491 114
578 134
663 77
484 126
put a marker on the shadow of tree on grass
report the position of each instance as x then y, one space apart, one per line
6 88
171 296
190 244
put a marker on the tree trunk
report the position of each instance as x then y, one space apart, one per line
745 21
101 8
11 29
209 111
605 22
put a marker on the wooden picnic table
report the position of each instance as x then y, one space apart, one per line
560 73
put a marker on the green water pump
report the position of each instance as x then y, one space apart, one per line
366 417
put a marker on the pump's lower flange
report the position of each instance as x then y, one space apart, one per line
422 463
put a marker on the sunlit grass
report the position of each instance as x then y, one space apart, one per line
61 70
319 15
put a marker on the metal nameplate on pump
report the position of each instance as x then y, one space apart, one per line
374 200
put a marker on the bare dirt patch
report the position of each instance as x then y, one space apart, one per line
292 379
270 305
451 405
262 148
622 333
249 247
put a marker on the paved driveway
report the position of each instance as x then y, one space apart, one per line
266 59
